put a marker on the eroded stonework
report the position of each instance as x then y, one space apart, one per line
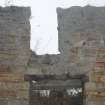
81 32
14 38
14 55
82 46
81 43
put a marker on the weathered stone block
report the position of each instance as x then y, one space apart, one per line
99 87
96 93
7 93
13 101
99 70
15 86
11 77
95 100
18 102
3 101
95 103
100 64
22 94
100 78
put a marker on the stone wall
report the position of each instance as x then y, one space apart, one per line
95 88
14 55
81 32
14 37
82 47
43 64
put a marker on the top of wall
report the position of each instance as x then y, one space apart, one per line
73 8
22 13
78 24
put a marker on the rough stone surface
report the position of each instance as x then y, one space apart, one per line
14 55
81 33
81 43
82 46
14 38
95 89
43 64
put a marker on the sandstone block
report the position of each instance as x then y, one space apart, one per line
22 94
18 102
97 77
3 101
11 77
99 87
15 86
6 94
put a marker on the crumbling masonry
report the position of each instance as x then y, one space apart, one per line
14 55
82 46
81 43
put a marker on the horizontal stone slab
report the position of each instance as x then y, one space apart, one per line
22 94
100 64
100 70
101 50
95 93
95 102
11 77
18 102
95 98
100 59
100 78
5 93
95 87
8 56
14 94
14 86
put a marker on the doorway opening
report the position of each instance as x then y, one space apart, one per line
56 90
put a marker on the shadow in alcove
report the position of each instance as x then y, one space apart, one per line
56 89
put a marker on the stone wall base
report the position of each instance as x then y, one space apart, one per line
13 89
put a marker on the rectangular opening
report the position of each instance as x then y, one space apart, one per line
55 90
